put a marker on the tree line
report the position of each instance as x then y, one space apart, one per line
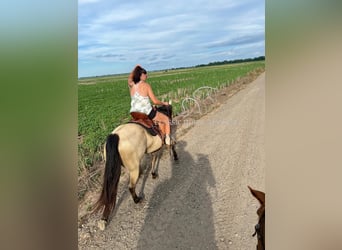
260 58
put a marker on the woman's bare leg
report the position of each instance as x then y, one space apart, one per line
164 124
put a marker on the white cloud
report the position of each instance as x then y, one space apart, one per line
119 34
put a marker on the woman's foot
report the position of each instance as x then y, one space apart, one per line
167 140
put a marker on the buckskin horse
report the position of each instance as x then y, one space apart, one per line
260 226
126 146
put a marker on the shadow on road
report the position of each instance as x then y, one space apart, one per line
180 213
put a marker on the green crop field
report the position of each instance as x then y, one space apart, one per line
104 102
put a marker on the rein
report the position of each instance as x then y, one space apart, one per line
258 230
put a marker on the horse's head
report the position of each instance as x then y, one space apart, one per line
260 227
166 109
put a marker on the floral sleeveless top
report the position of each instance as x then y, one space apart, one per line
140 103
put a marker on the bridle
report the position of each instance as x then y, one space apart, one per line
258 231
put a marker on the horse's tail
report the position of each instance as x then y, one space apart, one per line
111 176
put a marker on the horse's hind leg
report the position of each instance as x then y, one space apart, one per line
154 163
175 156
133 178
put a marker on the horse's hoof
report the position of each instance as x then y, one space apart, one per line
137 199
154 175
102 224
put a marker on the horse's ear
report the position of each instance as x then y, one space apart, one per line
260 196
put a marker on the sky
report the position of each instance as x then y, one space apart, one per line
116 35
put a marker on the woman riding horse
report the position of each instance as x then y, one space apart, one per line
128 143
141 94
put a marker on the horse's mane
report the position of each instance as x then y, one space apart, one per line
166 110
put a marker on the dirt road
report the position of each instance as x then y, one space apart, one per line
201 202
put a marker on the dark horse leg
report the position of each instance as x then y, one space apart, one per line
133 178
172 151
175 156
154 163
